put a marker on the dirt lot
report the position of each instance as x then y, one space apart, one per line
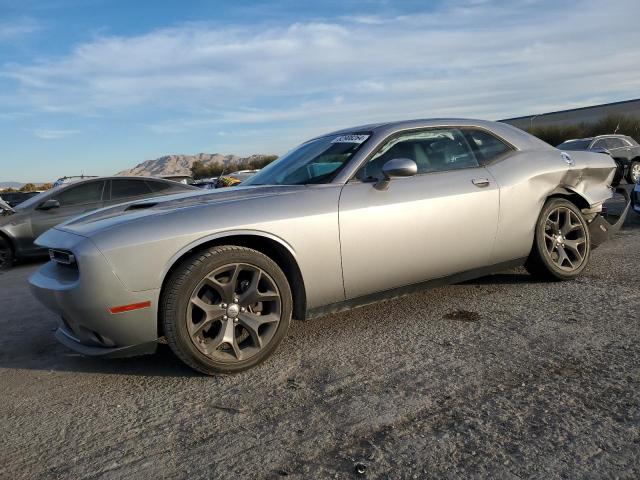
501 377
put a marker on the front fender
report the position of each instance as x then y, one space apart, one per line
221 235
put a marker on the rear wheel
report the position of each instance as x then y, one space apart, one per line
226 310
634 172
6 255
562 244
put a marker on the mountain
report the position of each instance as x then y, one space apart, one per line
11 184
181 164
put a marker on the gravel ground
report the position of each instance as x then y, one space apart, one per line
501 377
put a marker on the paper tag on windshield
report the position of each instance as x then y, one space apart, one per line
350 139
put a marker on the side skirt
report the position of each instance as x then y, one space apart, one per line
409 289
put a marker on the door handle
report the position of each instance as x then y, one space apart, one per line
481 182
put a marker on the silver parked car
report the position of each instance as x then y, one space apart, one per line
343 220
22 224
624 149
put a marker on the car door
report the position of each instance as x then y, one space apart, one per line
74 200
439 222
619 148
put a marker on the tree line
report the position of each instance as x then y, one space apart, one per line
620 124
29 187
200 170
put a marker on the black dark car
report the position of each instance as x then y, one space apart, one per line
16 198
624 149
21 225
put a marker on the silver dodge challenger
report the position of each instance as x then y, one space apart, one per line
343 220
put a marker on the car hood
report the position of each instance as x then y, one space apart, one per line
110 217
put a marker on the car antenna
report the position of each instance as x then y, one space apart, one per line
221 175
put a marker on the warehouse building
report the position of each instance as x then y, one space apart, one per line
591 114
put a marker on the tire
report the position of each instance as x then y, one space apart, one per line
560 250
633 175
214 288
6 255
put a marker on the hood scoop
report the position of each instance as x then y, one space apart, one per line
108 217
140 206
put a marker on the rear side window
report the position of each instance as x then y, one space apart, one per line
158 186
84 193
434 150
487 147
616 143
128 188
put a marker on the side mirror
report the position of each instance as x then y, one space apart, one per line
397 167
49 204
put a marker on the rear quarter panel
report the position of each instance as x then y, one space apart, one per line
527 178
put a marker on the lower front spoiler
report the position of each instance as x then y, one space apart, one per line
601 230
105 352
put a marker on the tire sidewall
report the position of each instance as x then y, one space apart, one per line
187 278
553 269
6 265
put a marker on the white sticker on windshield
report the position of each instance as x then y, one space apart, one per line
350 139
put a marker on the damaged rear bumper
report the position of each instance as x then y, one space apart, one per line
601 229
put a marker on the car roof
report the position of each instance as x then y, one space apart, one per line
417 123
607 135
129 177
513 135
578 139
618 135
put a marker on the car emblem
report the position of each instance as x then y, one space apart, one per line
233 310
567 158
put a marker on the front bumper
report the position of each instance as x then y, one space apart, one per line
67 339
82 298
601 229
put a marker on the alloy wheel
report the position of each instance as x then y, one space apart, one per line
565 239
234 312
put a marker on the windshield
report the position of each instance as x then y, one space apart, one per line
575 145
317 161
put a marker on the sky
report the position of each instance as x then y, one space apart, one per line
98 86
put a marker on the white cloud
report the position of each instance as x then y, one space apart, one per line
49 134
17 28
474 58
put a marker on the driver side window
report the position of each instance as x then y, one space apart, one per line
435 150
85 193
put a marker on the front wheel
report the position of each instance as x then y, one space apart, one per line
226 309
562 244
634 172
